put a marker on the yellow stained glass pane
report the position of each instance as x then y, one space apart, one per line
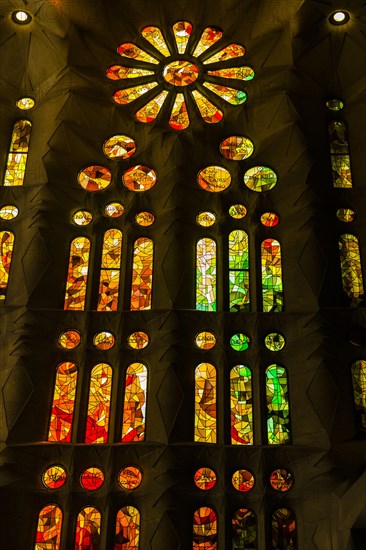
214 179
208 38
48 535
150 111
15 169
54 477
205 340
119 147
206 275
241 406
345 215
88 529
127 529
351 266
134 52
21 136
130 94
8 212
104 340
130 477
335 104
114 210
340 157
243 481
231 95
156 38
205 404
238 211
25 103
138 340
6 253
239 73
182 31
206 219
179 118
180 73
97 421
94 178
204 529
236 148
232 51
134 407
82 217
77 274
145 219
117 72
208 111
110 272
62 412
142 274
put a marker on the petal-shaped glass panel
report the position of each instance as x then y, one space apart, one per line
232 51
208 38
182 31
208 111
239 73
131 94
179 118
231 95
150 111
244 530
134 52
156 38
118 72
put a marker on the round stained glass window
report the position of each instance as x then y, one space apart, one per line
281 480
138 340
139 178
243 481
214 179
335 104
205 340
236 148
114 210
8 212
206 219
94 178
260 178
82 217
274 341
270 219
239 341
205 479
119 147
25 103
145 219
54 477
130 477
69 339
345 215
237 211
104 340
92 479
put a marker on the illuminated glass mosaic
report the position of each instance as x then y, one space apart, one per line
339 154
139 178
241 405
54 477
123 97
149 112
270 219
205 404
281 480
180 73
8 212
345 215
114 210
6 253
359 392
236 148
48 535
205 479
119 147
127 533
130 477
82 217
239 341
205 340
118 72
179 117
239 297
284 529
131 51
206 219
204 529
244 530
232 51
214 179
334 104
94 178
208 38
351 268
238 73
134 407
77 274
274 341
138 340
18 153
208 111
156 38
110 271
104 340
25 103
260 179
206 275
272 286
88 529
237 211
97 421
243 481
182 31
145 219
92 479
231 95
69 339
62 411
278 407
142 274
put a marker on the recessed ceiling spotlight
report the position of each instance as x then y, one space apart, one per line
21 17
339 17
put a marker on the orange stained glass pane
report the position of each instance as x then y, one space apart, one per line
88 529
205 340
91 479
231 95
179 118
134 407
180 73
139 178
97 422
69 339
142 274
208 38
205 404
110 272
138 340
8 212
232 51
119 147
114 210
18 153
204 529
134 52
205 479
236 148
270 219
77 274
150 111
127 534
130 478
6 253
214 179
48 536
156 38
208 111
54 477
62 412
145 219
131 94
182 31
243 481
104 340
351 267
117 72
94 178
241 405
239 73
82 217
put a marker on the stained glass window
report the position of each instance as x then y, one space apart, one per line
92 479
127 534
205 479
145 219
18 153
104 340
359 392
206 219
272 287
182 31
238 271
119 147
206 275
205 404
82 217
69 339
339 154
77 275
236 148
204 529
243 481
134 408
130 477
208 38
25 103
94 178
283 529
205 340
6 253
278 407
142 274
8 212
244 530
62 412
260 179
351 266
179 117
88 529
281 480
231 95
54 477
232 51
345 215
97 422
48 536
110 271
241 405
214 179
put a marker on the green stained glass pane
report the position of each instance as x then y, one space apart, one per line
359 392
239 341
335 104
238 270
206 275
274 341
340 158
278 409
239 290
272 287
241 406
238 250
351 266
244 530
260 178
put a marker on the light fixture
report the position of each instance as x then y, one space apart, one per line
339 17
21 17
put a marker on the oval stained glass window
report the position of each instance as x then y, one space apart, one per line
92 479
205 479
119 147
236 148
130 477
25 103
104 340
214 179
281 480
206 219
243 481
82 217
94 178
270 219
239 341
138 340
274 341
114 210
139 178
205 340
334 104
345 215
145 219
54 477
8 212
260 179
237 211
69 339
180 73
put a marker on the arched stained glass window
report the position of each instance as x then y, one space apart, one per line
6 252
134 408
239 270
142 274
351 266
110 271
127 534
283 530
359 392
339 154
205 404
62 412
241 405
77 274
18 153
88 529
99 404
206 275
204 529
244 530
278 407
272 288
49 526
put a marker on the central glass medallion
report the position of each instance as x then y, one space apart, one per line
180 73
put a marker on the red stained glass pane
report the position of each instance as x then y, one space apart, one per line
48 536
281 480
284 529
94 178
134 408
77 275
88 529
142 274
270 219
130 478
205 479
204 529
127 534
63 403
138 340
92 479
97 422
